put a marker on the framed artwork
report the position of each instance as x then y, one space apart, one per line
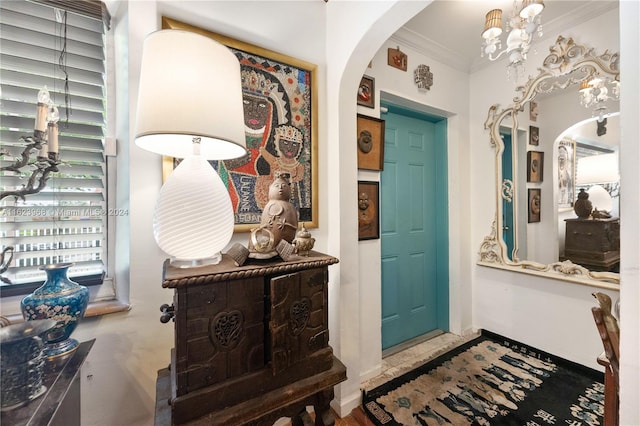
397 59
566 173
535 166
366 92
534 204
280 113
368 210
533 111
534 135
370 141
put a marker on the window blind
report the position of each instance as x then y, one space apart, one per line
66 221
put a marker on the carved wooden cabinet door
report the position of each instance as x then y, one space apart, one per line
298 323
219 332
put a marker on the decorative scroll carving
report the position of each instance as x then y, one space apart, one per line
567 64
490 251
507 190
299 314
211 276
226 329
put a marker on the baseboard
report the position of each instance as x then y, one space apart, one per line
376 371
470 332
345 406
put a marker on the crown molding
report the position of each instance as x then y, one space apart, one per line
426 46
438 52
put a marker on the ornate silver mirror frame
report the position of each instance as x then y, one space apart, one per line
567 64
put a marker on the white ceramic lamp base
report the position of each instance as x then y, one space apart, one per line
193 220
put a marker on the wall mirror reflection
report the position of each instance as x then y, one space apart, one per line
575 232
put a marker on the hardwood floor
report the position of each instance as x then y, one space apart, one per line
356 418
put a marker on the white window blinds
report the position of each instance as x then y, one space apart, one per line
66 221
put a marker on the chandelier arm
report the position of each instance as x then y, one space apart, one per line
496 57
33 144
39 175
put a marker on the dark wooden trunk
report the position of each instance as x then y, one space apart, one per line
242 333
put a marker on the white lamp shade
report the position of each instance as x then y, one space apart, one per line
531 8
194 219
601 168
600 198
493 24
190 86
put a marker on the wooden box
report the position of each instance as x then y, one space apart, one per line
594 243
241 332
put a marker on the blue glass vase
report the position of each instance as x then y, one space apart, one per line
59 299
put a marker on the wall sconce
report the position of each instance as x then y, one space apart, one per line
190 106
522 27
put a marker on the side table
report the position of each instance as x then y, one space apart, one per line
60 405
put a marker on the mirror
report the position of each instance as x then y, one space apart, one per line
533 217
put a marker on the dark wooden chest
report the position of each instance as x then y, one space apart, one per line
593 243
241 332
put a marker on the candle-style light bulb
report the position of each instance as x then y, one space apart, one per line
43 96
41 113
53 114
52 134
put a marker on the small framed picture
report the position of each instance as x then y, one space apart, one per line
366 92
370 141
533 111
368 210
566 173
534 204
535 166
397 59
534 135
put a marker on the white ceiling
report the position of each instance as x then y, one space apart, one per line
449 30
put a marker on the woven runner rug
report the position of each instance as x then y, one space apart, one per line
491 380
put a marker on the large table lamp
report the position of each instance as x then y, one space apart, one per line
595 171
190 106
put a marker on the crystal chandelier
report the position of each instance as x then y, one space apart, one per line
522 27
595 91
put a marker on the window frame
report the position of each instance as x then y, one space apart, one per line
116 297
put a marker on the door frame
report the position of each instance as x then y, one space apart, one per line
440 122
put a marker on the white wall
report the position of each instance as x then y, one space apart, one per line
630 208
119 377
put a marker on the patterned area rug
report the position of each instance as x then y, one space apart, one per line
491 380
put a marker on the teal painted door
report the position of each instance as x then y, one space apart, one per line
507 205
414 227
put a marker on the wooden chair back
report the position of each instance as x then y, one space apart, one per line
609 331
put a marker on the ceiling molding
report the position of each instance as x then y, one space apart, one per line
405 37
423 45
582 13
